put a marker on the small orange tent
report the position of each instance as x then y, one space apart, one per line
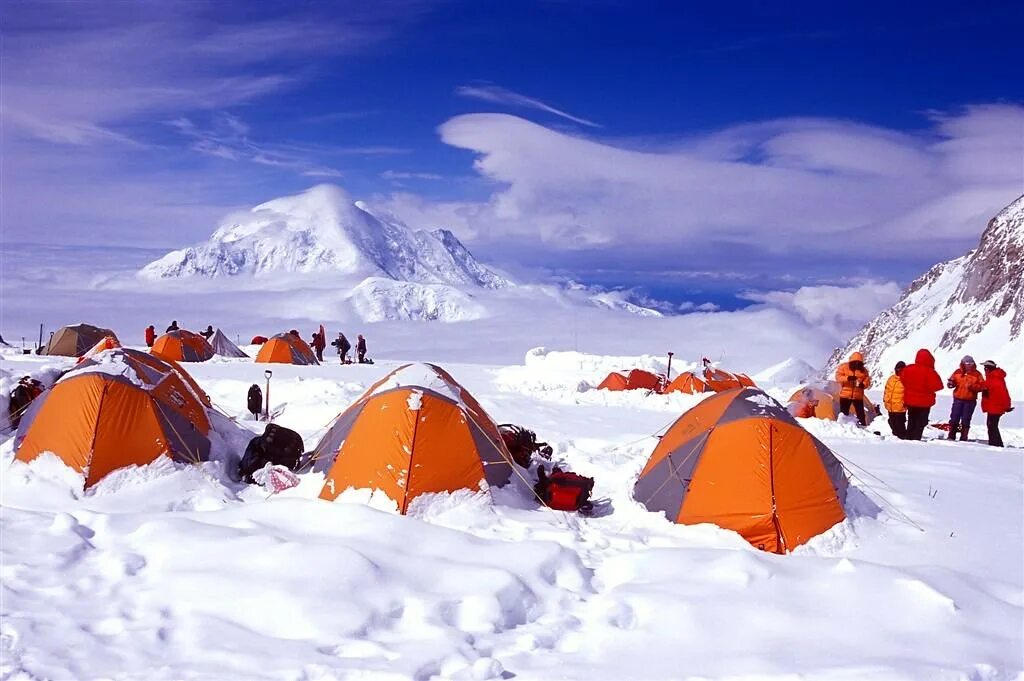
415 431
286 348
119 408
634 379
689 383
720 379
182 346
827 401
740 461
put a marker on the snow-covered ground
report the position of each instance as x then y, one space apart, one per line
169 572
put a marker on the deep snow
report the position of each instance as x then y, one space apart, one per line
168 572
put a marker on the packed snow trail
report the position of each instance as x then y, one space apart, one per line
168 572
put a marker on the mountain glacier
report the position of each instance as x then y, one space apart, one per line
322 230
973 305
373 265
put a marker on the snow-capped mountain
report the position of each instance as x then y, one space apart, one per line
322 230
973 305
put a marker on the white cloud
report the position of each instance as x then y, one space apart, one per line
803 188
839 311
500 95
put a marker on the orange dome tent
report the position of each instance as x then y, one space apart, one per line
414 432
74 340
182 346
286 348
634 379
689 383
827 399
740 461
119 408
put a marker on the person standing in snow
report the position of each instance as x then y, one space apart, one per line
319 342
853 380
343 347
893 401
920 383
995 400
172 327
150 335
208 334
361 349
966 383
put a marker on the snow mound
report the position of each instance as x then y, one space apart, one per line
324 230
378 300
787 373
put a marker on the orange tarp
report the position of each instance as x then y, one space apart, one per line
120 408
414 432
740 461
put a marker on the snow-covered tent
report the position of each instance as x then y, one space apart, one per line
223 346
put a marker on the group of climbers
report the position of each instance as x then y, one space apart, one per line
150 332
910 395
343 346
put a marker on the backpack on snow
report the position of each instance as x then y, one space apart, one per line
564 490
522 443
279 446
255 400
27 390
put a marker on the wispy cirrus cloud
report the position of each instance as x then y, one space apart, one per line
500 95
88 88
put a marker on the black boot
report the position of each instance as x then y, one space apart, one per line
963 434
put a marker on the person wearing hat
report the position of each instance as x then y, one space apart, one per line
853 380
995 400
966 382
920 383
894 404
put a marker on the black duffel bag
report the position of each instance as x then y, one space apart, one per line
277 445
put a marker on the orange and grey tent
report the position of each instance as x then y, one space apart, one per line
182 346
740 461
827 398
416 431
634 379
286 348
75 340
119 408
689 383
223 346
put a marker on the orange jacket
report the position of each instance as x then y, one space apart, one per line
852 389
893 397
967 383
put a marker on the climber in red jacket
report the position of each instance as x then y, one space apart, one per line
920 383
995 400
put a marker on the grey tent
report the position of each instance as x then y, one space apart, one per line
75 340
223 346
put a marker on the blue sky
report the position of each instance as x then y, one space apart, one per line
683 148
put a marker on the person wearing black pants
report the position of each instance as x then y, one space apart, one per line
920 383
858 406
995 400
917 421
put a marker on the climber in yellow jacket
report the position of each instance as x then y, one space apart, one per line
853 380
893 401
